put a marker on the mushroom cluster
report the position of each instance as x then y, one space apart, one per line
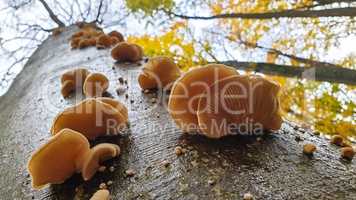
73 80
216 101
127 52
66 153
92 84
159 72
93 117
92 36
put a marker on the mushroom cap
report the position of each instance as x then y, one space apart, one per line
75 42
103 194
92 117
146 82
186 91
97 155
77 75
159 71
54 162
114 40
117 35
125 51
103 40
238 100
95 85
72 80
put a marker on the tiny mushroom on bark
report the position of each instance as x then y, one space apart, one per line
73 80
103 194
159 72
64 154
103 41
93 117
117 35
95 85
125 51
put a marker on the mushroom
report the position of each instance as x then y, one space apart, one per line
186 91
125 51
93 117
103 194
95 85
244 103
114 41
75 42
87 43
159 72
64 154
117 35
72 80
103 41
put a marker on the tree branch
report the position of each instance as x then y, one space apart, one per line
333 12
307 61
325 73
99 12
51 14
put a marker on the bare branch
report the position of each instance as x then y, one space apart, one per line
99 12
333 12
326 73
51 14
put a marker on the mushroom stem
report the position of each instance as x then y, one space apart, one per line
95 156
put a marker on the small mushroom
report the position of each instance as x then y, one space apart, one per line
347 153
103 41
186 91
103 194
114 40
230 104
125 51
64 154
117 35
337 140
159 72
95 85
87 43
75 42
73 80
309 149
93 117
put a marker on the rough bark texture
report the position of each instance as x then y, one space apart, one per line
273 168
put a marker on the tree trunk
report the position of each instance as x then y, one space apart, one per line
273 168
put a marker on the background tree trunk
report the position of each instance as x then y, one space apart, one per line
273 168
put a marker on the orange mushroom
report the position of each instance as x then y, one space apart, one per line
87 43
186 91
159 72
93 117
117 35
103 41
64 154
125 51
103 194
73 80
244 103
95 85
